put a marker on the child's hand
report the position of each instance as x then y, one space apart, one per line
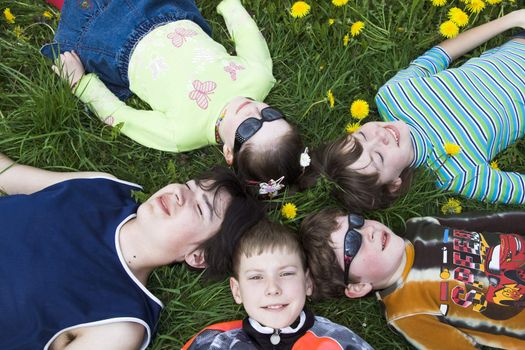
518 17
69 67
521 16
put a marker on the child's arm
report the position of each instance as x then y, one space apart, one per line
472 38
149 128
249 42
23 179
439 57
487 184
427 332
507 222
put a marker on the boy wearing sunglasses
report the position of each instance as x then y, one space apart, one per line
441 287
271 280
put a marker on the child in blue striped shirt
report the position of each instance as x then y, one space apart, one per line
453 121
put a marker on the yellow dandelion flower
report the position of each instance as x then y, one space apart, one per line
289 210
493 2
17 30
359 109
451 149
449 29
350 128
475 6
299 9
494 165
452 206
357 28
339 3
47 14
9 17
458 16
330 98
331 21
346 38
438 2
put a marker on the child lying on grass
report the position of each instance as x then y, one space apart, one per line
451 121
199 94
442 287
77 252
271 280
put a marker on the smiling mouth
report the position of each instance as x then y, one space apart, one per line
394 132
384 241
275 307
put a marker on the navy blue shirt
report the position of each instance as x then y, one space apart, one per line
61 265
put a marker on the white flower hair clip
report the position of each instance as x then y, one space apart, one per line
272 187
305 159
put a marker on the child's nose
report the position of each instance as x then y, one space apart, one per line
381 136
273 288
181 195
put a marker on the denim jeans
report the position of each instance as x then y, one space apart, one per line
104 32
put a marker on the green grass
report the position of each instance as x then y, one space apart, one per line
42 124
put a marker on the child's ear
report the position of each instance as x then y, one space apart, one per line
395 185
309 284
227 151
357 290
196 259
236 291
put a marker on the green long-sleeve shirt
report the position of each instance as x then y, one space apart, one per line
187 78
479 106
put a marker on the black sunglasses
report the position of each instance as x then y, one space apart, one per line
250 126
353 240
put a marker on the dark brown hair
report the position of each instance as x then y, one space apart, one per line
281 159
264 236
242 213
315 232
356 191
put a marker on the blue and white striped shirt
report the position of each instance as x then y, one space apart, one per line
479 106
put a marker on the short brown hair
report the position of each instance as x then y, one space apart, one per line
264 236
315 232
356 191
282 159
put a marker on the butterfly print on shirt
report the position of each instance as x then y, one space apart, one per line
179 35
232 68
200 92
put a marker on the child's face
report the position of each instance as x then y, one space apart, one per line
272 287
179 217
237 111
379 260
387 149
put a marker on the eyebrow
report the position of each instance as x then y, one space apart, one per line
208 204
361 133
280 268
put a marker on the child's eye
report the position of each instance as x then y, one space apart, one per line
381 160
255 278
287 273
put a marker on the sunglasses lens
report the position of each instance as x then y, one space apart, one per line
353 242
248 128
269 114
356 221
